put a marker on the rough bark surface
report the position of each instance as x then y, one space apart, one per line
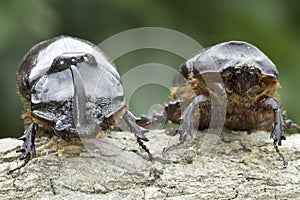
239 166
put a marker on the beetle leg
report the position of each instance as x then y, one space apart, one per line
277 133
130 119
170 113
185 127
292 125
143 121
28 145
150 156
138 131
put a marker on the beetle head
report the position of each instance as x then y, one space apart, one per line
73 61
240 79
66 60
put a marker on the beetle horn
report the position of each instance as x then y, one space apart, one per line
79 99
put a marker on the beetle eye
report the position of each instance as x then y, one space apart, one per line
57 65
184 70
90 59
85 58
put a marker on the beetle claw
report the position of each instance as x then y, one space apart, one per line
150 156
171 147
130 119
284 159
277 135
23 156
23 137
22 150
183 131
138 131
186 119
28 148
28 138
143 121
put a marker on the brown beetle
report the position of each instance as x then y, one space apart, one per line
242 74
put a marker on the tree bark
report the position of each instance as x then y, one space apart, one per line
238 166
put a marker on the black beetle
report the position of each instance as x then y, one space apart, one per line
248 81
70 88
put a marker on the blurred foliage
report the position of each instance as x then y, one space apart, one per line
271 25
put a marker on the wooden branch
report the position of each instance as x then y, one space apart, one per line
239 166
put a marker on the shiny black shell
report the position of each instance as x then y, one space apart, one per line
49 89
217 58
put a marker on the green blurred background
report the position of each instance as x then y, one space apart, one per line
271 25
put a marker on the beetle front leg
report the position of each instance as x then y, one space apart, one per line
290 125
138 131
185 127
130 119
171 113
277 133
28 147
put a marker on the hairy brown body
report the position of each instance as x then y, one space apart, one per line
243 112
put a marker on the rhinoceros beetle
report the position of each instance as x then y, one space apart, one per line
249 80
70 89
